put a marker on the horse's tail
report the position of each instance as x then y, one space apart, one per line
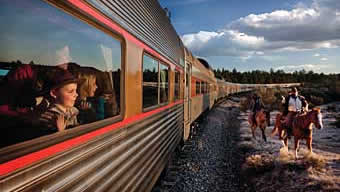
276 127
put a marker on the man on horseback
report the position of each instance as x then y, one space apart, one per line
294 104
256 106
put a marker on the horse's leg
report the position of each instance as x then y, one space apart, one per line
268 117
263 133
285 143
253 128
309 144
297 141
274 131
276 126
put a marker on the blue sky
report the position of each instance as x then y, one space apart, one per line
36 31
261 34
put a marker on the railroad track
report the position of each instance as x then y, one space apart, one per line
207 157
169 177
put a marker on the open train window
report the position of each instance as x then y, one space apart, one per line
155 82
57 72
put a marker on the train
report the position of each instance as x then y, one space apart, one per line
133 90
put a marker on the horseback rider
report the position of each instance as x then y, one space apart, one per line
294 104
256 105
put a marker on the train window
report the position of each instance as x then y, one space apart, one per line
163 83
198 87
155 82
150 82
202 87
57 72
177 85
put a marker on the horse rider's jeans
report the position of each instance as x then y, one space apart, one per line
289 118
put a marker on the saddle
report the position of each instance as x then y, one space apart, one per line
288 128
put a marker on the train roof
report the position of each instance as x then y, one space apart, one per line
205 63
147 21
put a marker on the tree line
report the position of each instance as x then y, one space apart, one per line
279 76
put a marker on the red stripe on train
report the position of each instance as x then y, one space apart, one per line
29 159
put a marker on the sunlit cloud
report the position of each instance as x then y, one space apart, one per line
307 67
63 55
305 27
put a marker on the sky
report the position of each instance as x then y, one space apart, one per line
36 31
251 35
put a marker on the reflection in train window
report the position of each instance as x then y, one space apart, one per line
150 82
155 82
163 85
177 85
56 71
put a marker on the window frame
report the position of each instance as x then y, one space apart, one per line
159 62
26 147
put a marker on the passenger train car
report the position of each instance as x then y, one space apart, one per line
95 94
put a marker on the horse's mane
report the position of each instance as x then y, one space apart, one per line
301 119
318 109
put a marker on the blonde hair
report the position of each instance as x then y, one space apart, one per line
85 87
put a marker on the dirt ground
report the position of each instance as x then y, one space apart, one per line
268 167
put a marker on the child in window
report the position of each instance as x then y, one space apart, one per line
91 107
61 113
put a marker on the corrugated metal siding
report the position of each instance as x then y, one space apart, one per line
146 20
127 159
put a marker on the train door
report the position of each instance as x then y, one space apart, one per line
187 100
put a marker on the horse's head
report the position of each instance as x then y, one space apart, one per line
317 118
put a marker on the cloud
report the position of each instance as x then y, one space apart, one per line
63 55
316 55
307 67
301 28
324 59
224 43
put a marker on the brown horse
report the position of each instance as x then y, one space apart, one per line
279 128
262 119
302 128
